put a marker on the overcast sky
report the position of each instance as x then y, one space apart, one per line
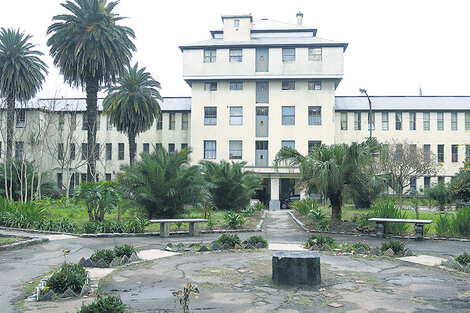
394 46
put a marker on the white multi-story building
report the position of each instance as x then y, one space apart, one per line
256 86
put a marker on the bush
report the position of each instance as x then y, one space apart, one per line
109 304
463 259
258 206
461 221
105 254
230 240
321 240
63 225
397 246
249 211
70 275
234 220
21 215
444 226
387 209
358 245
305 206
135 225
441 193
254 240
122 250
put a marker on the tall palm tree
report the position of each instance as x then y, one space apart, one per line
90 49
22 73
132 105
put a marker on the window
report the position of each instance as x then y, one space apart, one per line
398 121
426 121
467 151
288 54
210 55
120 151
288 85
314 85
288 115
184 146
61 121
0 149
210 86
413 150
314 54
440 120
160 122
84 121
73 121
236 23
427 182
109 151
371 120
171 148
344 120
427 152
288 143
454 121
399 152
357 120
412 120
235 149
72 151
109 125
97 151
384 120
314 115
59 181
236 85
84 151
313 143
235 55
210 115
440 153
19 149
83 177
236 116
73 181
261 145
440 179
413 183
60 151
209 149
146 148
455 153
20 118
107 176
184 121
98 121
467 121
171 125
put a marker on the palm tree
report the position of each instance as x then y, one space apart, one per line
163 183
230 187
22 73
90 49
132 105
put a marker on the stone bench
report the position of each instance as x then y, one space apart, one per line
380 225
193 225
296 267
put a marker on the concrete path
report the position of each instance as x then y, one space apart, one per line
21 266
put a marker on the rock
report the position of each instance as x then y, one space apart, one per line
467 268
115 262
180 245
375 251
325 247
244 242
226 247
259 245
176 249
101 264
134 257
84 290
124 259
313 247
215 247
248 246
87 263
169 245
408 252
81 261
361 250
203 249
237 246
452 263
69 293
193 245
48 296
389 252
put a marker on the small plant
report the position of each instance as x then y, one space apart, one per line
249 211
397 246
183 296
210 222
109 304
320 241
105 254
358 245
463 259
179 224
69 275
234 220
461 221
259 206
254 240
441 193
444 226
305 206
230 240
123 250
388 209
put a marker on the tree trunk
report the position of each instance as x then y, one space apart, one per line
91 112
400 190
335 207
10 124
91 218
132 148
119 213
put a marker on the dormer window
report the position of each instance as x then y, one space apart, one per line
236 23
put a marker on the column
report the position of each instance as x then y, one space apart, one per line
274 203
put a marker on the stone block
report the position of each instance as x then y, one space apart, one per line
467 268
87 263
134 257
361 250
81 261
203 249
115 262
101 263
215 246
259 245
296 267
68 293
124 259
226 247
389 252
48 296
375 251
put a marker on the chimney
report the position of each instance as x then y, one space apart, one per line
299 15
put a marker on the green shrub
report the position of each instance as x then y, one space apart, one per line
358 245
249 211
21 215
234 220
305 206
258 206
321 240
397 246
69 275
387 209
109 304
442 193
461 221
105 254
230 240
62 225
463 259
254 240
122 250
444 226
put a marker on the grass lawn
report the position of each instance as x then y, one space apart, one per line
9 240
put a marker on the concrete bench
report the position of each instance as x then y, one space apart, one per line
296 267
193 225
380 225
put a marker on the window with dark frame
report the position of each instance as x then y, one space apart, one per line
288 115
398 121
171 125
210 115
60 151
160 122
288 54
314 115
210 86
236 85
209 149
235 55
20 118
72 151
314 85
185 121
454 121
344 120
109 151
426 121
384 120
288 85
235 149
120 151
236 116
210 55
440 153
440 121
412 120
455 153
357 121
84 151
315 54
